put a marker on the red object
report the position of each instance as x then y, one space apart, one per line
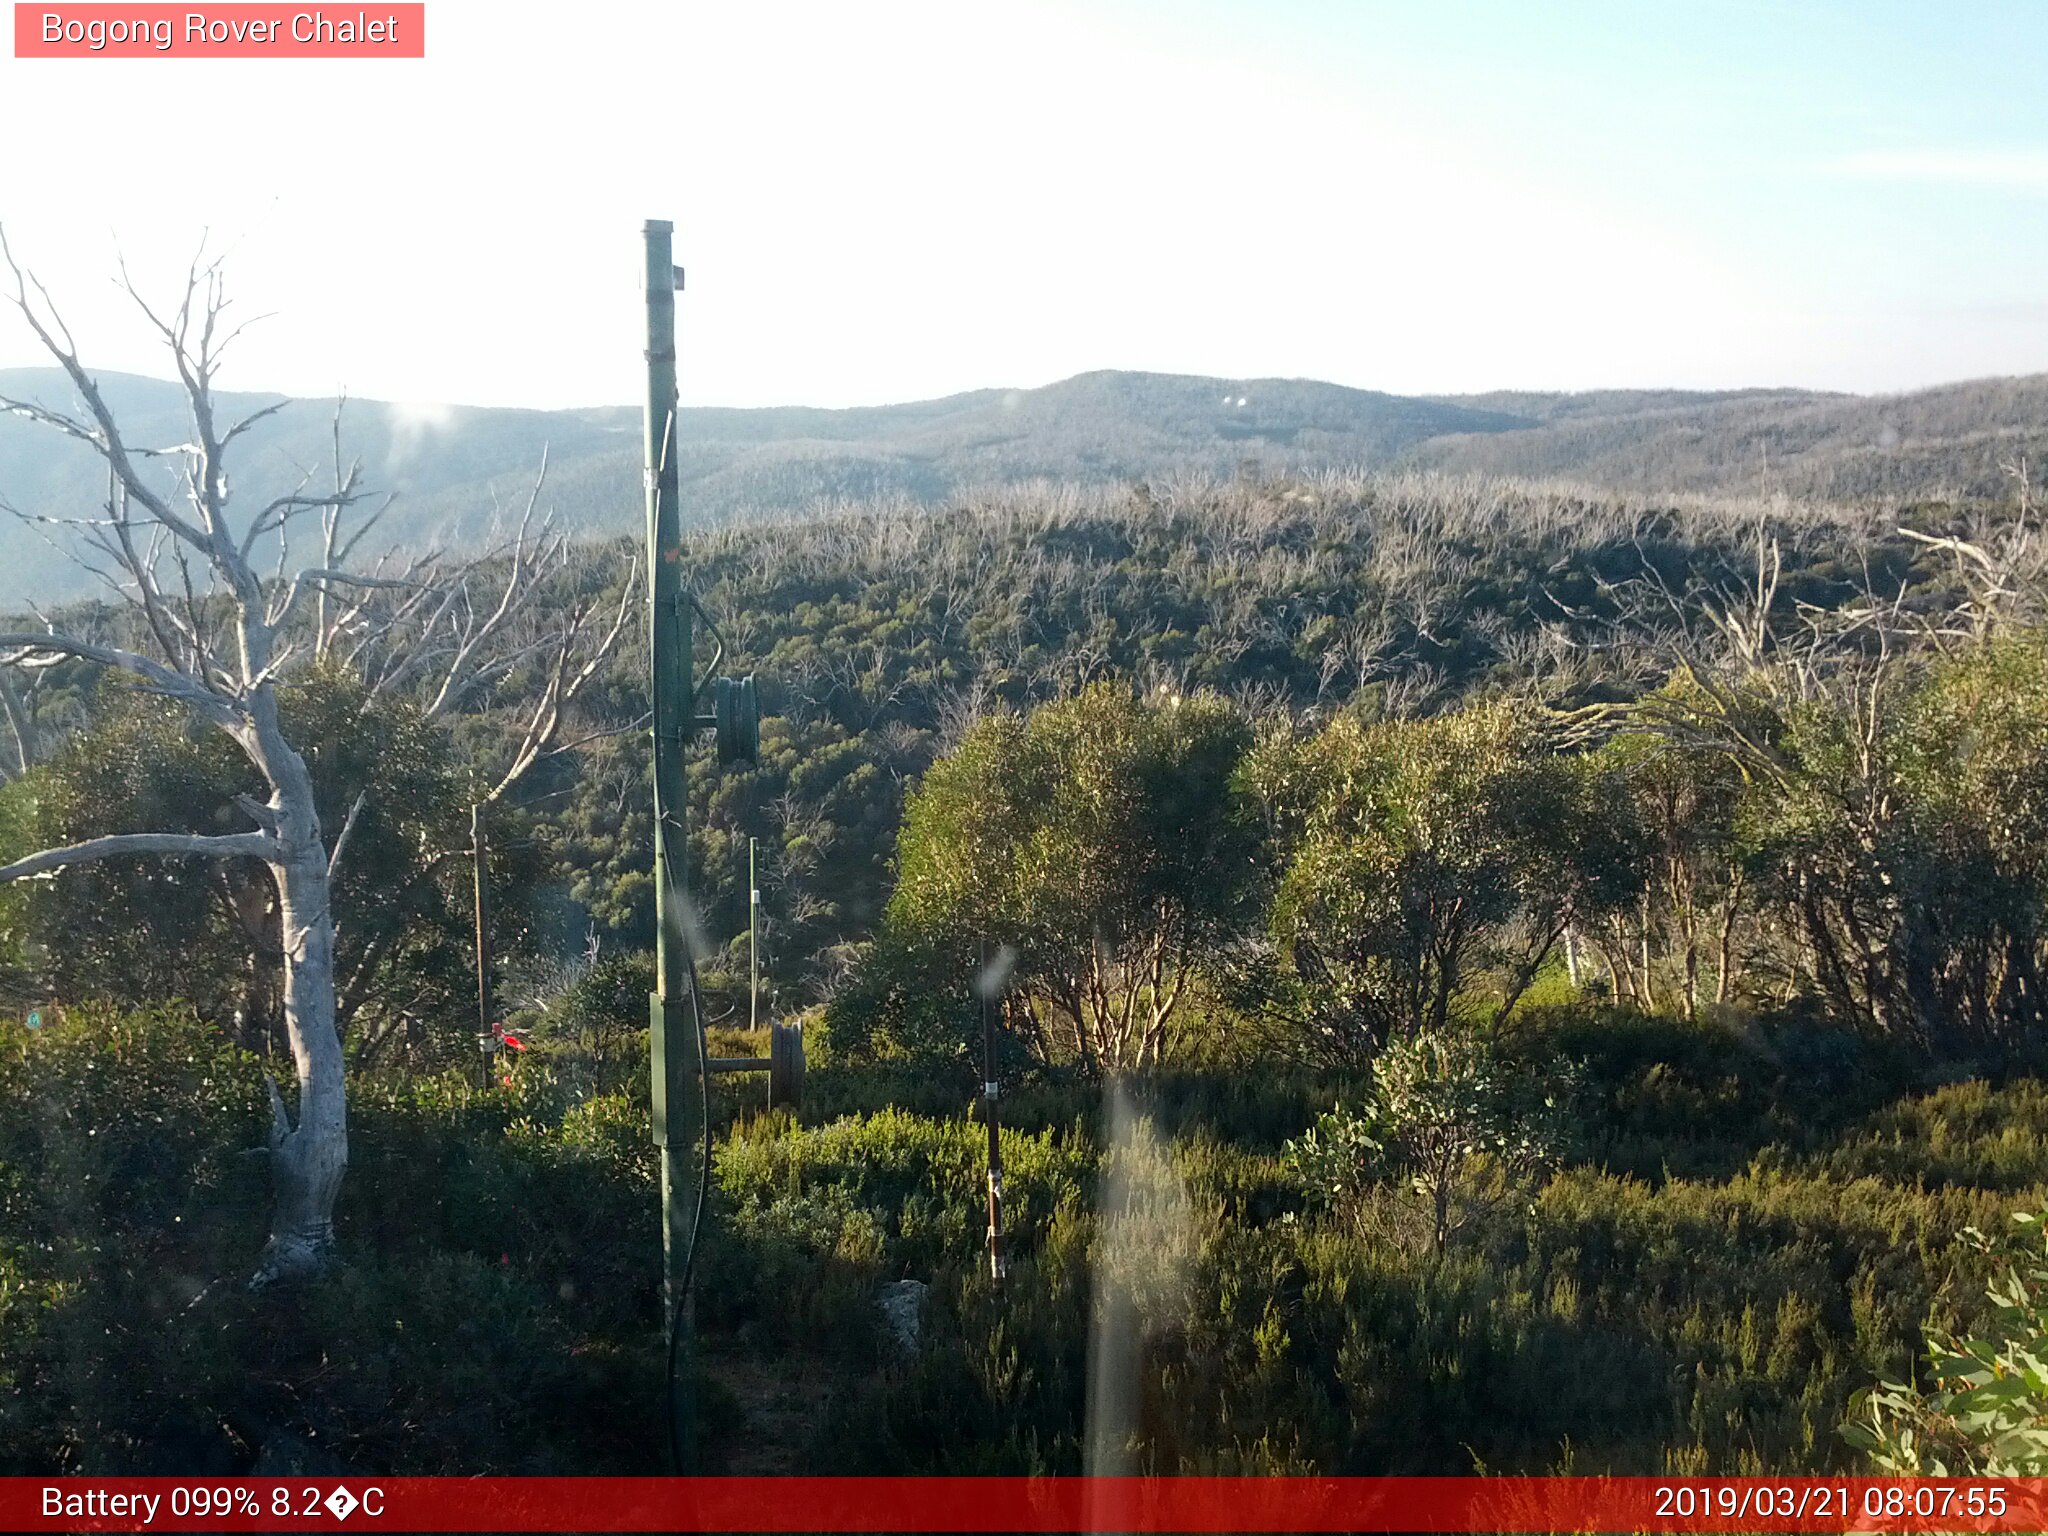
369 29
990 1504
510 1039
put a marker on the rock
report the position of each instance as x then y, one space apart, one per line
902 1304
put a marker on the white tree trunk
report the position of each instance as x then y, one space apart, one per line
309 1159
227 678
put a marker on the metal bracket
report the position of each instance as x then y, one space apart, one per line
784 1065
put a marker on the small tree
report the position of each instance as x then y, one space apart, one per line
208 631
1443 1109
1897 803
1893 765
1679 812
1105 840
1414 854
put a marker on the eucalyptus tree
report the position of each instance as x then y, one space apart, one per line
1105 839
1415 858
205 627
1885 762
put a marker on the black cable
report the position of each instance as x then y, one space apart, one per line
682 1291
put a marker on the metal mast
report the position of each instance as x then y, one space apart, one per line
674 1047
681 1072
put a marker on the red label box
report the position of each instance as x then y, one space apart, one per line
1680 1506
375 30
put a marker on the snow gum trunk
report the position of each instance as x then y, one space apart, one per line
307 1159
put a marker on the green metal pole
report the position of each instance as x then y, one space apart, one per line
673 1039
753 941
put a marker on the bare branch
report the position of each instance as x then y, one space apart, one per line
280 1122
251 420
215 705
324 576
264 816
20 724
348 825
235 845
105 436
544 727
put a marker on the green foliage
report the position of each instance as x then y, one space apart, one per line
132 930
117 1117
1752 1216
1103 839
1448 1119
1895 820
909 999
129 1203
1687 1326
920 1182
1986 1412
136 929
1675 821
1717 1320
882 634
1412 854
607 1001
1338 1159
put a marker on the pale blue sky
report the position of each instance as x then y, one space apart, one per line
1894 154
895 200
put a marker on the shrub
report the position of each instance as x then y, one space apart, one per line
482 1243
607 1001
1443 1110
1985 1413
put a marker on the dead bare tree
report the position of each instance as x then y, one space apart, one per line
219 637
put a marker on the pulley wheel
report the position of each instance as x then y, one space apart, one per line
785 1065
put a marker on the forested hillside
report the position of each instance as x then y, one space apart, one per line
880 636
1502 978
457 472
1956 442
454 469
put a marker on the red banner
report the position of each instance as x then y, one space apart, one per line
993 1504
227 31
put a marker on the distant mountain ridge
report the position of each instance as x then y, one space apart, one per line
1951 442
451 467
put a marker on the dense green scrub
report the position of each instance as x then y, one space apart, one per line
1750 1226
1814 874
879 637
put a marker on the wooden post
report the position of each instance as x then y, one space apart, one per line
753 940
479 856
991 1091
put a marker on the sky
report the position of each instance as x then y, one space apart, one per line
887 201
